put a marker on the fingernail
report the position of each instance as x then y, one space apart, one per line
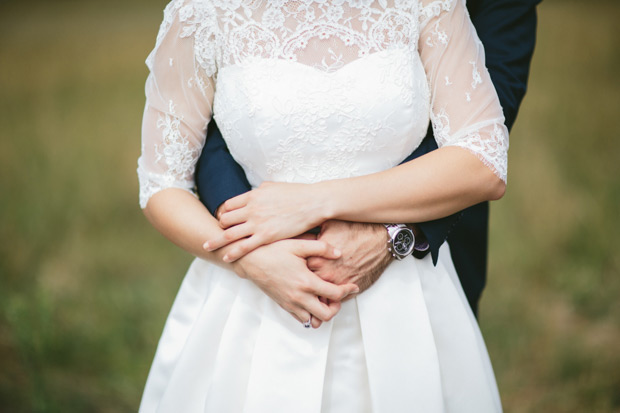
206 245
226 258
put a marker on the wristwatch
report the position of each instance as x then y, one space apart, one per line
401 240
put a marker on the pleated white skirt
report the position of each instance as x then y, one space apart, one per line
408 344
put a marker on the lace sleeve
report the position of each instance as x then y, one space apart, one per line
179 95
465 109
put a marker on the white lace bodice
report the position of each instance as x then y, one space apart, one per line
306 90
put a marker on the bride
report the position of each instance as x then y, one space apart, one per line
319 101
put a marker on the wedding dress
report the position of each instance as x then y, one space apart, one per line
305 91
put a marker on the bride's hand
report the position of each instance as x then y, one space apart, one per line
280 270
272 212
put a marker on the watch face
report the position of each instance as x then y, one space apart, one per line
403 242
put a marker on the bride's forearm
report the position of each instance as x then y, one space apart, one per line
182 219
433 186
280 269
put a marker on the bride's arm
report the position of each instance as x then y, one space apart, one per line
179 94
469 167
446 181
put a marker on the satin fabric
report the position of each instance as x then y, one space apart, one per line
409 343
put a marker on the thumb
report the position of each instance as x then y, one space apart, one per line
311 248
349 290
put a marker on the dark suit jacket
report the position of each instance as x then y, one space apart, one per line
507 29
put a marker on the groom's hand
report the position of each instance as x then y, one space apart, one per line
364 253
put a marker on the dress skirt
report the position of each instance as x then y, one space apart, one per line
410 343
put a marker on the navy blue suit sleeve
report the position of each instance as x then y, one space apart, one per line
218 176
507 29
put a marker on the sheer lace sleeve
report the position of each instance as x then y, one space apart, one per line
179 94
465 109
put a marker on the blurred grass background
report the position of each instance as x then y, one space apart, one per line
86 283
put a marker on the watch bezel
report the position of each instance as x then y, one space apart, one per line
393 231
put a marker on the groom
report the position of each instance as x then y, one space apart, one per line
507 29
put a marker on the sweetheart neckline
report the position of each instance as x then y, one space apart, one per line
252 62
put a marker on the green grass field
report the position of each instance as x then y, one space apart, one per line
86 283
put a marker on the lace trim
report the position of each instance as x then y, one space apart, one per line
175 154
151 183
491 147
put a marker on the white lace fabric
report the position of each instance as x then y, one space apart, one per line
321 89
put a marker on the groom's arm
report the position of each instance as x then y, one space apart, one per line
507 29
218 176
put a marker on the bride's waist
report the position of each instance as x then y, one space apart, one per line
309 174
